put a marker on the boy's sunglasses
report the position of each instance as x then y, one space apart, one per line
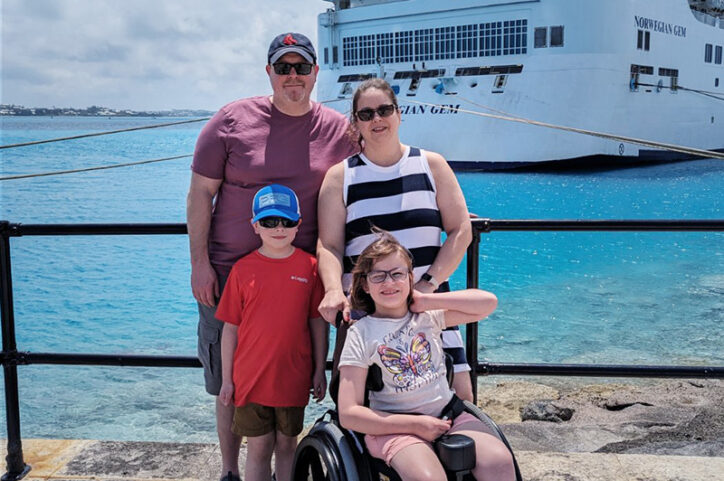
365 115
379 276
283 68
272 222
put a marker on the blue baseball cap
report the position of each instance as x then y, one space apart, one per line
291 43
275 201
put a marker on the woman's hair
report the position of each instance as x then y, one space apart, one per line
385 245
373 83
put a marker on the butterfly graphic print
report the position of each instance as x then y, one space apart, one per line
407 364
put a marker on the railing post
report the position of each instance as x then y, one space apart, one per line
16 467
471 331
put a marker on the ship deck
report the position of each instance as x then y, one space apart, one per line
143 461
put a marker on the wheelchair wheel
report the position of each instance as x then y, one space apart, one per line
324 455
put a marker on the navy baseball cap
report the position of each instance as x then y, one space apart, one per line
275 201
291 43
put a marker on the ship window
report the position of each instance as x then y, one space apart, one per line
349 51
444 43
385 51
491 42
367 54
643 69
717 55
515 37
326 55
674 84
716 82
467 41
668 72
707 52
541 37
557 36
640 40
335 54
403 46
647 41
424 44
357 77
496 70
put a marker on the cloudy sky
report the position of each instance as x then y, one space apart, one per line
143 54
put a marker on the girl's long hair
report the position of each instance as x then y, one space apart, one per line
385 245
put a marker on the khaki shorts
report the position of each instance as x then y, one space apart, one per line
256 420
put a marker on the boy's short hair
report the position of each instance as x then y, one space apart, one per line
275 200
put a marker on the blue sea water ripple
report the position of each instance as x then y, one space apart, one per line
619 297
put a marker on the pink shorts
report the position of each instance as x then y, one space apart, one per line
386 446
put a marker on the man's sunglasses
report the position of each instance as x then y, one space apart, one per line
272 222
283 68
365 115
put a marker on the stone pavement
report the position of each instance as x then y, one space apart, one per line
69 460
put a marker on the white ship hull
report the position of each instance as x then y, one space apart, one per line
585 83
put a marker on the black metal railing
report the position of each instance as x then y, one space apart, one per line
11 357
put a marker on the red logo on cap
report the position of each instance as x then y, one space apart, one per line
289 40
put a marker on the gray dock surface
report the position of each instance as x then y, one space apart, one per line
74 460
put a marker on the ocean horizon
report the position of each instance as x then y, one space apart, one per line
565 297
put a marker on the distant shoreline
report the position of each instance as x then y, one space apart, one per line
96 111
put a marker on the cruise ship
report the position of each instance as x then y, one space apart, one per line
628 69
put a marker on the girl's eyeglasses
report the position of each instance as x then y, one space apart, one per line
378 277
272 222
283 68
365 115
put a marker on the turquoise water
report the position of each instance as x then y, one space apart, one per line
564 297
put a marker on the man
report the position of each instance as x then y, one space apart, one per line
249 143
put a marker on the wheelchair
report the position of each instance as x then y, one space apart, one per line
330 452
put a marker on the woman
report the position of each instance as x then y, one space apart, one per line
407 191
401 335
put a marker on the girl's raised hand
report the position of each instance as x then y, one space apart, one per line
430 428
418 301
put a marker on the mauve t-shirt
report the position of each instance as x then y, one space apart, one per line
248 144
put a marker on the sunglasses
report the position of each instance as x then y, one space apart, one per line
378 277
365 115
272 222
283 68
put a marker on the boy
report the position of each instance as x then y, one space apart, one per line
274 342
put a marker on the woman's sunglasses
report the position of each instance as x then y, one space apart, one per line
283 68
272 222
365 115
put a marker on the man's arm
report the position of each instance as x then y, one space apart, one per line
455 220
332 216
199 204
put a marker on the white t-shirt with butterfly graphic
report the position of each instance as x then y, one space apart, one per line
409 353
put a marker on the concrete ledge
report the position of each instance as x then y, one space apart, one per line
61 460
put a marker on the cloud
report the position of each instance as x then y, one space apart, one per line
138 54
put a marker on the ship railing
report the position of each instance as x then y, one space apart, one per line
12 357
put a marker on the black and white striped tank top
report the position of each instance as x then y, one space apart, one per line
400 199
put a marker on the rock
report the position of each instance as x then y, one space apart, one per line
504 401
680 418
546 411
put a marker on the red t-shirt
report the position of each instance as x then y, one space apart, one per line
271 302
248 144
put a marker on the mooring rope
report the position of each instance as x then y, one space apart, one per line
113 166
96 134
593 133
500 115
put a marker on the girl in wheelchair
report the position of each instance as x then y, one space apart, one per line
401 334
